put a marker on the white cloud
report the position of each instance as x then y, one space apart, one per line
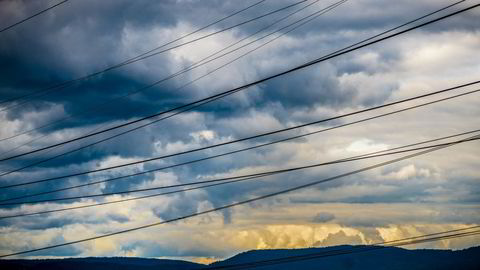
408 172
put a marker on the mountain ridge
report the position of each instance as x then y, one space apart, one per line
384 258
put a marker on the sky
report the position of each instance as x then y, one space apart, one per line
434 192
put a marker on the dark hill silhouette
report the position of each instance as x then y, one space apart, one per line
386 258
93 263
391 258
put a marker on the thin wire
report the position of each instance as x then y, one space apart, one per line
343 251
66 84
195 104
217 182
31 17
305 20
229 205
216 156
161 46
275 132
191 67
315 15
220 179
363 41
194 65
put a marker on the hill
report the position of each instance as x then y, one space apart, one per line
113 263
387 258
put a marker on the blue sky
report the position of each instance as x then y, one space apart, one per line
431 193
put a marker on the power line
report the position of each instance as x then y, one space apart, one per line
313 16
220 181
277 131
150 55
215 22
375 36
31 17
301 22
66 83
145 55
159 52
195 65
256 136
232 204
343 251
195 104
309 17
125 200
262 174
221 155
355 249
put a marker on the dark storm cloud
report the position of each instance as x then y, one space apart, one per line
42 58
315 87
84 36
176 208
75 43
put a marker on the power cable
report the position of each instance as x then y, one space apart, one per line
309 17
355 249
212 157
217 182
31 17
275 132
375 36
269 195
142 56
195 65
195 104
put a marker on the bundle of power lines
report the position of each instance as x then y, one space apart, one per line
266 35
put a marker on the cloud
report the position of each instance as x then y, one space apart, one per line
323 217
408 172
338 238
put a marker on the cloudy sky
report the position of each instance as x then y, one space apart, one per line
430 193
